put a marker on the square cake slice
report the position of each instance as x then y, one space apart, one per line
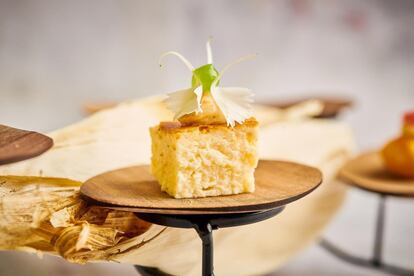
204 160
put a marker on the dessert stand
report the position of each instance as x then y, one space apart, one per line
135 189
367 172
205 225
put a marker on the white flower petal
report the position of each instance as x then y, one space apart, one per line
209 52
234 103
199 93
185 101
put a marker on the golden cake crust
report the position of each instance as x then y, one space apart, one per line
176 126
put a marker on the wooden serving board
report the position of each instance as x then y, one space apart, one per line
17 144
368 172
331 106
277 183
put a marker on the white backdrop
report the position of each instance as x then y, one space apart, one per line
56 55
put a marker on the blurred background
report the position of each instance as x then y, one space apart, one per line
57 55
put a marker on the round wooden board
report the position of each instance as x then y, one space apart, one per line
277 183
368 172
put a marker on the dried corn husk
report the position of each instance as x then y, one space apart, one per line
41 208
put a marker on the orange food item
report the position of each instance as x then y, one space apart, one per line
398 155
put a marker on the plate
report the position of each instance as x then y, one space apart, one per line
368 172
134 188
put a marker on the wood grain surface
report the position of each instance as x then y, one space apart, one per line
277 183
368 172
17 144
332 107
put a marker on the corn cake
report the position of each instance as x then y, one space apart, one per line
204 160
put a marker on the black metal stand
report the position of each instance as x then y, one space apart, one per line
204 225
376 261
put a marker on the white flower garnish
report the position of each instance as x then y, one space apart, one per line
185 101
234 102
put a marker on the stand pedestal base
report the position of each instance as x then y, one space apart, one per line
376 261
204 225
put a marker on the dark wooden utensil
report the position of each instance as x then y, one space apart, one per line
17 144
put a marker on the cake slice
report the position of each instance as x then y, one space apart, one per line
204 160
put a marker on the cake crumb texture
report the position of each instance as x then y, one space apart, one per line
205 160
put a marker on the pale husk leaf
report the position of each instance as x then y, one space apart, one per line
43 213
